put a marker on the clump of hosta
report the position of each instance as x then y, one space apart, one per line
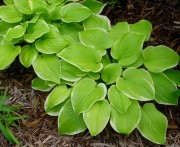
97 73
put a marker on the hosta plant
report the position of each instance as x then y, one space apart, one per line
97 73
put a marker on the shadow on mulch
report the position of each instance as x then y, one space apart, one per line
40 130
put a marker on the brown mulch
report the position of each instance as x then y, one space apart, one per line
40 130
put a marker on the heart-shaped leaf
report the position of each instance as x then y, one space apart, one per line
118 100
97 21
173 75
85 58
159 58
68 122
85 93
52 42
48 68
127 122
97 117
137 84
57 96
128 48
10 14
8 54
28 55
111 73
164 89
94 5
74 12
153 124
23 6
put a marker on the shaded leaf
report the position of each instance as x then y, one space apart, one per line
173 75
23 6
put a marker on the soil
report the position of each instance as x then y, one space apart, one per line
40 130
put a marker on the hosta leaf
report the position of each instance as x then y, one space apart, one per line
97 21
164 89
173 75
5 26
97 117
94 5
51 42
128 48
137 64
153 124
36 30
38 6
47 67
93 75
127 122
10 14
70 72
57 96
118 100
8 2
8 54
111 73
137 84
68 122
106 60
39 84
119 30
159 58
54 14
1 40
98 38
28 55
16 32
85 93
85 58
143 26
23 6
74 12
56 2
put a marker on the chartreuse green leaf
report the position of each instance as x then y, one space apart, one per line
85 93
143 26
8 54
54 14
36 30
15 32
98 38
128 48
1 40
159 58
74 12
39 84
164 89
106 60
85 58
137 84
23 6
8 2
51 42
97 21
127 122
47 65
119 30
97 117
173 75
56 2
70 72
57 96
69 122
38 6
153 124
28 55
10 14
93 75
94 5
137 64
111 73
118 100
5 26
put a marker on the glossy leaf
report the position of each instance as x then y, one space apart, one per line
48 68
137 84
23 6
164 89
85 58
85 93
8 54
173 75
97 117
153 124
68 122
118 100
159 58
28 55
74 12
127 122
